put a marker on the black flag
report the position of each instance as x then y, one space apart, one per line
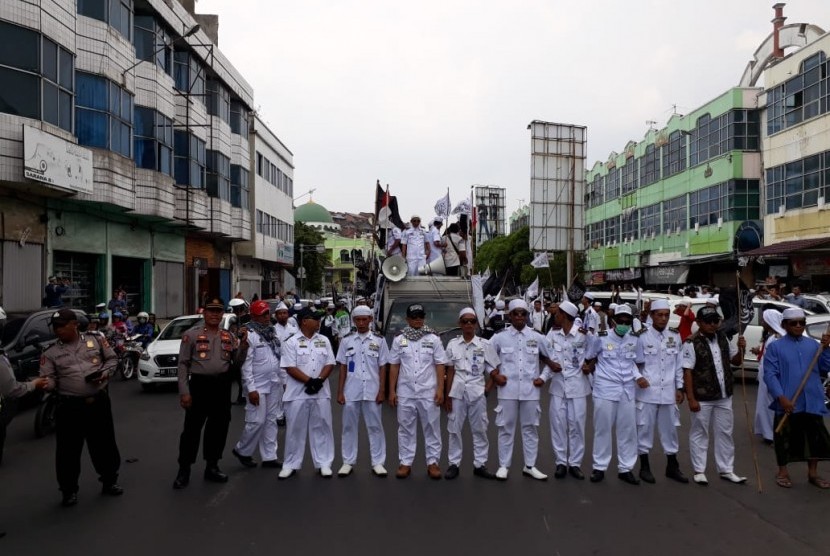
576 292
737 309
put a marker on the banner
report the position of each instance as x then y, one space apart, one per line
540 260
463 207
442 206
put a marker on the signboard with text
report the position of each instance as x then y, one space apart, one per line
54 161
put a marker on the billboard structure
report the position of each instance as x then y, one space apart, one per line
557 188
489 204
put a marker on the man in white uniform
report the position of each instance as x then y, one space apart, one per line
658 358
520 348
436 244
538 317
285 327
308 360
613 357
393 241
415 247
262 384
362 356
471 358
569 391
416 388
707 360
590 318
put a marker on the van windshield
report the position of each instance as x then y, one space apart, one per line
441 316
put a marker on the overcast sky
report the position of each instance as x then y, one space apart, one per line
432 94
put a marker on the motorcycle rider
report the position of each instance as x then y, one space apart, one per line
145 328
119 325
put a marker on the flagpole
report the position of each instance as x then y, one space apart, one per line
753 444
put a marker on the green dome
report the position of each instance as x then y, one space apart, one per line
312 212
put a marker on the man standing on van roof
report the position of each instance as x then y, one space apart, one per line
415 246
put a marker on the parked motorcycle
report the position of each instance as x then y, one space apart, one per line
129 350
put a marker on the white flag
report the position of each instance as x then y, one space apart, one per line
442 206
486 274
463 207
532 291
540 260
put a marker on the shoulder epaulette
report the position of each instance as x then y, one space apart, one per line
378 334
675 330
347 335
640 332
602 333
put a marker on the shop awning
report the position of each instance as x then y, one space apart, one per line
785 248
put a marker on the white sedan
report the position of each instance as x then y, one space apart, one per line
159 362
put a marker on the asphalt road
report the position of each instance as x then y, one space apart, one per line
255 513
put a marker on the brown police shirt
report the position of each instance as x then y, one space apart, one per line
67 365
203 352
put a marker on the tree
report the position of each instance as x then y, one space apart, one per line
314 262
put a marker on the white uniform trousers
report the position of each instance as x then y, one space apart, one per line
312 418
374 428
764 416
413 265
666 418
278 390
476 411
718 412
260 428
410 411
567 429
618 416
528 413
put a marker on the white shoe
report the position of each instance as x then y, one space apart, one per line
285 472
732 478
344 471
325 472
535 473
501 474
700 479
379 470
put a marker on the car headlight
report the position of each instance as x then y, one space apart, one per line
145 356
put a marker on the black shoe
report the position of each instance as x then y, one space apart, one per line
560 472
273 463
112 489
246 461
240 400
182 478
281 421
214 474
452 472
483 473
69 499
673 469
645 469
576 473
628 477
597 476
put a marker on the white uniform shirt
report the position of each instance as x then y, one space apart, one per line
394 234
434 235
261 367
688 358
519 352
451 256
417 358
363 355
616 370
414 241
659 353
309 355
285 332
538 320
472 361
590 320
569 351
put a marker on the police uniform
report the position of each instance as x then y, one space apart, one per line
204 361
260 374
518 352
416 390
84 412
307 414
471 362
569 391
362 358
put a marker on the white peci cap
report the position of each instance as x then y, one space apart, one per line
517 304
622 309
793 313
361 311
658 304
569 308
466 311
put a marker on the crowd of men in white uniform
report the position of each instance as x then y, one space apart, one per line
636 382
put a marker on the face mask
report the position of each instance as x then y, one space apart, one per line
622 329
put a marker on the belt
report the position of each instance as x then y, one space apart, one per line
82 399
200 376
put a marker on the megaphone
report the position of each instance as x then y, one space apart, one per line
394 268
435 267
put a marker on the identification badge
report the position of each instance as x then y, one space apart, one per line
404 342
90 344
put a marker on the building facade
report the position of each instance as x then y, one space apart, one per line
125 143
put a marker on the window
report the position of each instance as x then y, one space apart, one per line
260 161
239 118
594 234
629 176
798 184
103 114
743 200
595 195
649 166
674 154
188 74
153 43
612 230
612 184
650 220
189 159
36 75
153 140
239 186
801 97
630 224
218 100
733 130
674 214
218 175
707 205
118 13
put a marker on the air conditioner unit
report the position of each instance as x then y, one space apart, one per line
720 222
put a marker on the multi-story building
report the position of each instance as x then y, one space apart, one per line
520 218
262 263
124 133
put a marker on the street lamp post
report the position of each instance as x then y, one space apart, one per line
304 249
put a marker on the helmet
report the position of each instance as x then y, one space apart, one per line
117 314
237 304
104 316
260 308
143 317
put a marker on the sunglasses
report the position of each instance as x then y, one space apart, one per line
418 316
801 322
467 321
710 321
520 313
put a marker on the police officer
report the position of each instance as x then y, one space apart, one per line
205 357
363 357
78 367
471 358
308 360
262 384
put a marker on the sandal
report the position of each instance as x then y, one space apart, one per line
783 481
818 482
